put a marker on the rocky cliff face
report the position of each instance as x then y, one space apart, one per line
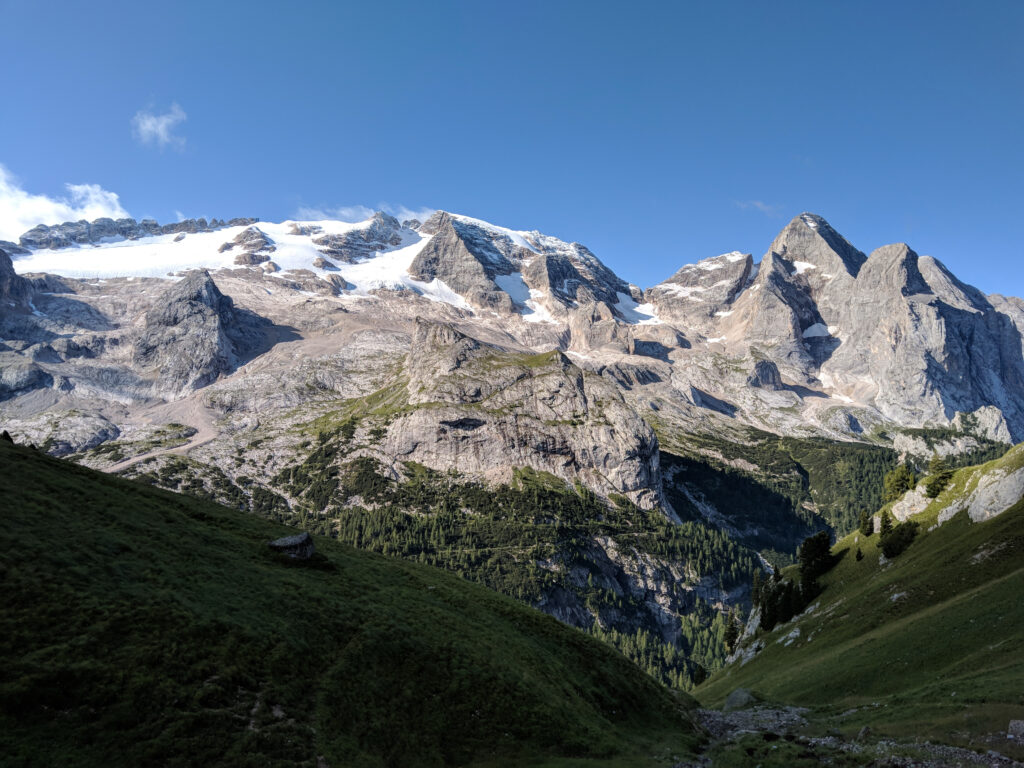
383 233
527 274
486 411
192 336
13 289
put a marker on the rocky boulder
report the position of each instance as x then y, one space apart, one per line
299 546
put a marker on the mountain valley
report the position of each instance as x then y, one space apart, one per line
502 405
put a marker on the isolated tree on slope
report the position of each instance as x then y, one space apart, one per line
898 482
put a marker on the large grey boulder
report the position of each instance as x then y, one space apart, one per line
741 698
299 546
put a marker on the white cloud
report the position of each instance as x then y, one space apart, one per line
21 210
150 128
361 212
757 205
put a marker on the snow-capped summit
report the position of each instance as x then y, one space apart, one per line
893 337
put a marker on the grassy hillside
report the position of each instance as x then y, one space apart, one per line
534 539
141 627
928 644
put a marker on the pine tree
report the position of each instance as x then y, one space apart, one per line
898 482
867 523
937 465
732 634
939 475
886 526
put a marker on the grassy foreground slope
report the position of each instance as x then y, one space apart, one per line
140 627
929 644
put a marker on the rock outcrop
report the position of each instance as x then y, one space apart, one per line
83 232
486 410
191 337
383 233
895 331
14 290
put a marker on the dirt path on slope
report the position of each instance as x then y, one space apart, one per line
191 413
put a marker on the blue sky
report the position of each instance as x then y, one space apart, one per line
655 133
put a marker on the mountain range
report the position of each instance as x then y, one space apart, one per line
500 403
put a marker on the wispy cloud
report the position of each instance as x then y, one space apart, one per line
21 210
757 205
150 128
361 212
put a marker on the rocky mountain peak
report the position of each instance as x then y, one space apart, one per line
194 293
894 267
810 242
465 259
192 336
699 292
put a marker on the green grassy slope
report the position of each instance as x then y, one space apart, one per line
930 644
501 535
140 627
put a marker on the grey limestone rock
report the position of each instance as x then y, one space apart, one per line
254 246
466 261
193 335
14 290
13 249
383 234
765 375
698 293
83 232
486 410
299 546
19 374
